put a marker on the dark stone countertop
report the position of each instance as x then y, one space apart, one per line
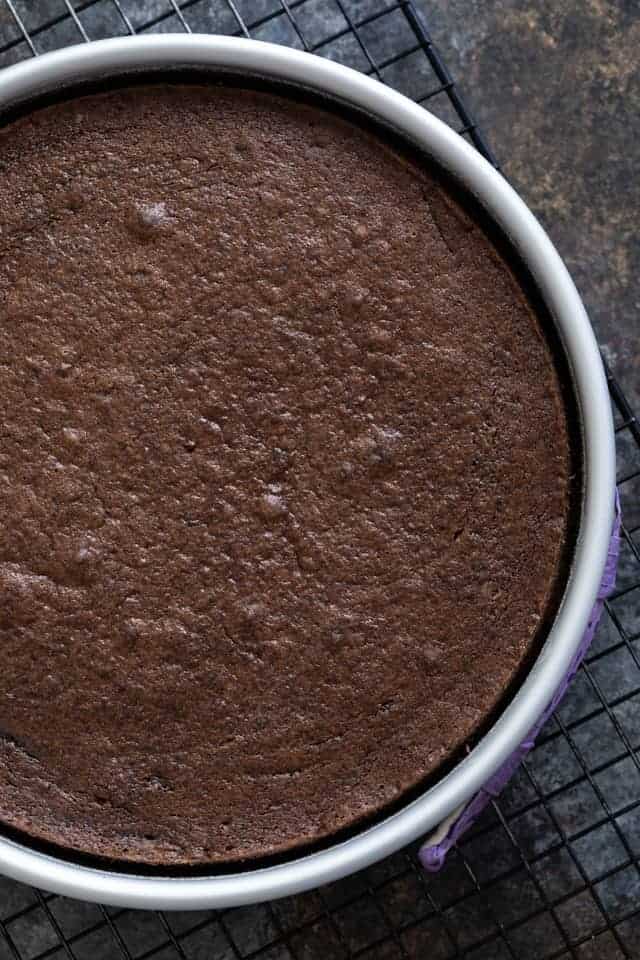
555 84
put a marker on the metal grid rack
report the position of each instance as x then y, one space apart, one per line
551 870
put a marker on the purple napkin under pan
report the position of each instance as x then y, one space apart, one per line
432 854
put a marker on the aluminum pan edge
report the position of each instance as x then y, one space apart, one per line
123 55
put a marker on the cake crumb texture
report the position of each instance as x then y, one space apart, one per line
284 474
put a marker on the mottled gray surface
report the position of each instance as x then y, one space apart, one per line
556 85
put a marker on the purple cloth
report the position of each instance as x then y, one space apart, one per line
432 857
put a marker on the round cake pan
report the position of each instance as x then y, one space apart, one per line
110 58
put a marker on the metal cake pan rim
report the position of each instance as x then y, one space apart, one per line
105 58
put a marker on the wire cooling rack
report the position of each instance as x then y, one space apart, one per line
551 870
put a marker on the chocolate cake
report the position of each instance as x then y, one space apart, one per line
284 474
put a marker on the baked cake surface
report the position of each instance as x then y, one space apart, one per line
284 474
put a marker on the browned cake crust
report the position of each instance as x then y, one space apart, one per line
283 474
